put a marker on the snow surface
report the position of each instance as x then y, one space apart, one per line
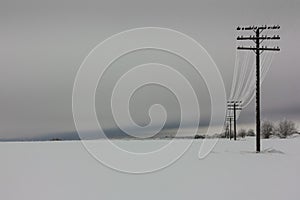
64 170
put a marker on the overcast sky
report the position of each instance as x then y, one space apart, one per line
43 43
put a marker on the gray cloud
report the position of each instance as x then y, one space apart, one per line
44 42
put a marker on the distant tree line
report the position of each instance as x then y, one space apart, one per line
282 129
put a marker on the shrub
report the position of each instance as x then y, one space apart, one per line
250 133
242 133
267 129
286 128
222 135
199 137
55 139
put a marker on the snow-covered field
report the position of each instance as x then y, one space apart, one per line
64 170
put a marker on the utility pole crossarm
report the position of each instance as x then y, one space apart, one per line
231 101
252 37
249 28
260 49
235 108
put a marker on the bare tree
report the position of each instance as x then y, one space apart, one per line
267 129
286 128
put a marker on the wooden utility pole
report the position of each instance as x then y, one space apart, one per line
227 131
258 50
229 118
234 105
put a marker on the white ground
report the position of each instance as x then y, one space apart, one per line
64 170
